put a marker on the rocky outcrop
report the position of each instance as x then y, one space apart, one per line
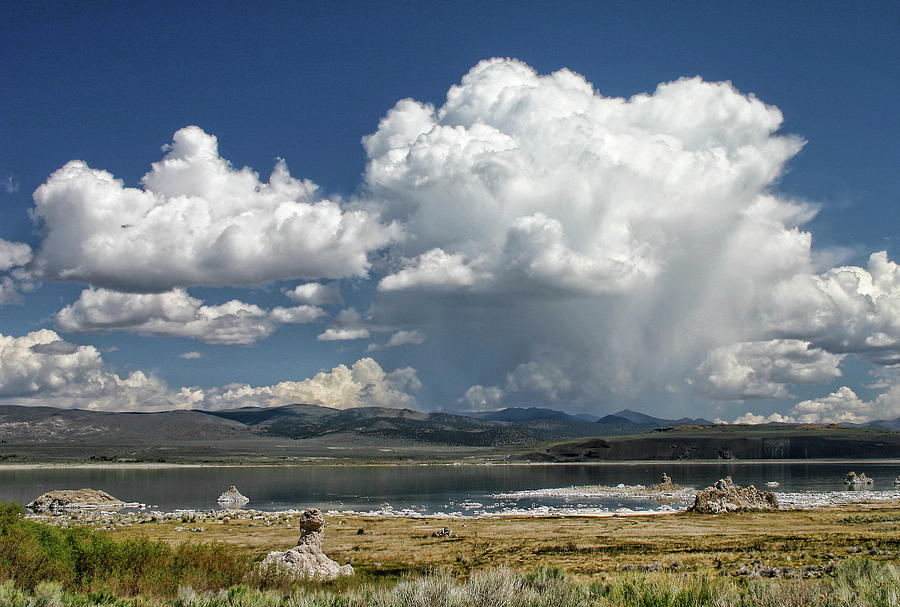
443 532
62 501
665 484
306 560
725 496
857 480
233 497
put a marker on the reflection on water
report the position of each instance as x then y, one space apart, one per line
422 488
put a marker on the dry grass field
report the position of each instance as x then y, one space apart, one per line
752 543
837 557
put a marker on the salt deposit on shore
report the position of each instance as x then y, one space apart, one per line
109 520
787 500
190 518
535 511
824 499
193 519
680 494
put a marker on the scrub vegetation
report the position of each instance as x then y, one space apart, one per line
859 583
819 558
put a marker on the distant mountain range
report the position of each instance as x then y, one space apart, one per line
506 427
886 424
510 426
513 426
310 432
625 416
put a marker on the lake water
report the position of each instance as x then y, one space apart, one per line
441 489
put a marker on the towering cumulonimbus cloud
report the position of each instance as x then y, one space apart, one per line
536 182
197 221
644 238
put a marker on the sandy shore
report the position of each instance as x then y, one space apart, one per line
327 461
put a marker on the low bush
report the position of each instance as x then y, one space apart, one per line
45 566
83 560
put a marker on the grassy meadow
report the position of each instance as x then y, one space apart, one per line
825 557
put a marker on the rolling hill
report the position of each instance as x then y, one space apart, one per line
48 425
302 431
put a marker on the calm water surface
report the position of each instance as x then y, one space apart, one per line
425 489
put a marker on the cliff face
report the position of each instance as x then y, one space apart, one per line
732 443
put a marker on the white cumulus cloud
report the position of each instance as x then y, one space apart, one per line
177 314
363 384
753 419
482 398
315 294
434 269
842 406
29 369
551 185
196 220
41 369
846 309
764 369
348 325
13 254
333 334
403 338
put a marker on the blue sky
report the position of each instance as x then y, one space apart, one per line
109 84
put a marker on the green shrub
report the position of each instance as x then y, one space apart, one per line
866 583
498 587
83 560
667 590
436 590
10 596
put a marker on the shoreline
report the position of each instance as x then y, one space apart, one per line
788 502
363 463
